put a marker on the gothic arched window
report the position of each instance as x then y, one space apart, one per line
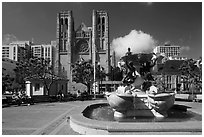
103 20
66 21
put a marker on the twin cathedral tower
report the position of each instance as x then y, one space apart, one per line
87 43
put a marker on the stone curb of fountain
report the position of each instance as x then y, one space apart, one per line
84 125
90 126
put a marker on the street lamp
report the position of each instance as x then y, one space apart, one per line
94 65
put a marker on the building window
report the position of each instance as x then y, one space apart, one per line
66 21
14 53
99 20
48 52
14 49
5 52
37 87
103 20
65 42
45 52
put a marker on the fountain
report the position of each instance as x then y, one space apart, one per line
131 109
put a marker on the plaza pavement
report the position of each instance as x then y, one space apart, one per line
38 119
50 118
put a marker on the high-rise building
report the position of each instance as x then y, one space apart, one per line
23 44
89 43
48 52
43 51
7 52
37 51
18 50
168 50
26 45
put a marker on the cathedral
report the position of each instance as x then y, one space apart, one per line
87 43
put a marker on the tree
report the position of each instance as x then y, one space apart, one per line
83 72
191 74
116 74
7 82
38 69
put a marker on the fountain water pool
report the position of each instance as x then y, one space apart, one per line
104 112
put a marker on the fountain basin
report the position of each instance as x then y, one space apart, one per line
84 125
161 102
120 102
140 104
126 105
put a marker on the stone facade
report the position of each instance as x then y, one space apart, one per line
87 43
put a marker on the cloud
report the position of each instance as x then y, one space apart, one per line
138 41
8 38
149 3
185 48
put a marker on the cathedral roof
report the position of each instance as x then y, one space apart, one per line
82 27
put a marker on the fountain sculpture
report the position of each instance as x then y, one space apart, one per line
130 100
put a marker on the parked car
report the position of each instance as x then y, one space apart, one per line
7 99
53 98
16 99
69 97
84 96
24 99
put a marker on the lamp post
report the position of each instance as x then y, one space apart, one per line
94 33
100 71
94 65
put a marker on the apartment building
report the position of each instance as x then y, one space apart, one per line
13 52
45 51
37 51
17 50
168 50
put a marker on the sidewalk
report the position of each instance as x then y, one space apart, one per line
38 119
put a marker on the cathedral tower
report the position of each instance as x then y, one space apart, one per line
84 43
65 29
100 39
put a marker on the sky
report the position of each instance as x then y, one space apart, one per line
179 23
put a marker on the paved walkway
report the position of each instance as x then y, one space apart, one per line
38 119
49 118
